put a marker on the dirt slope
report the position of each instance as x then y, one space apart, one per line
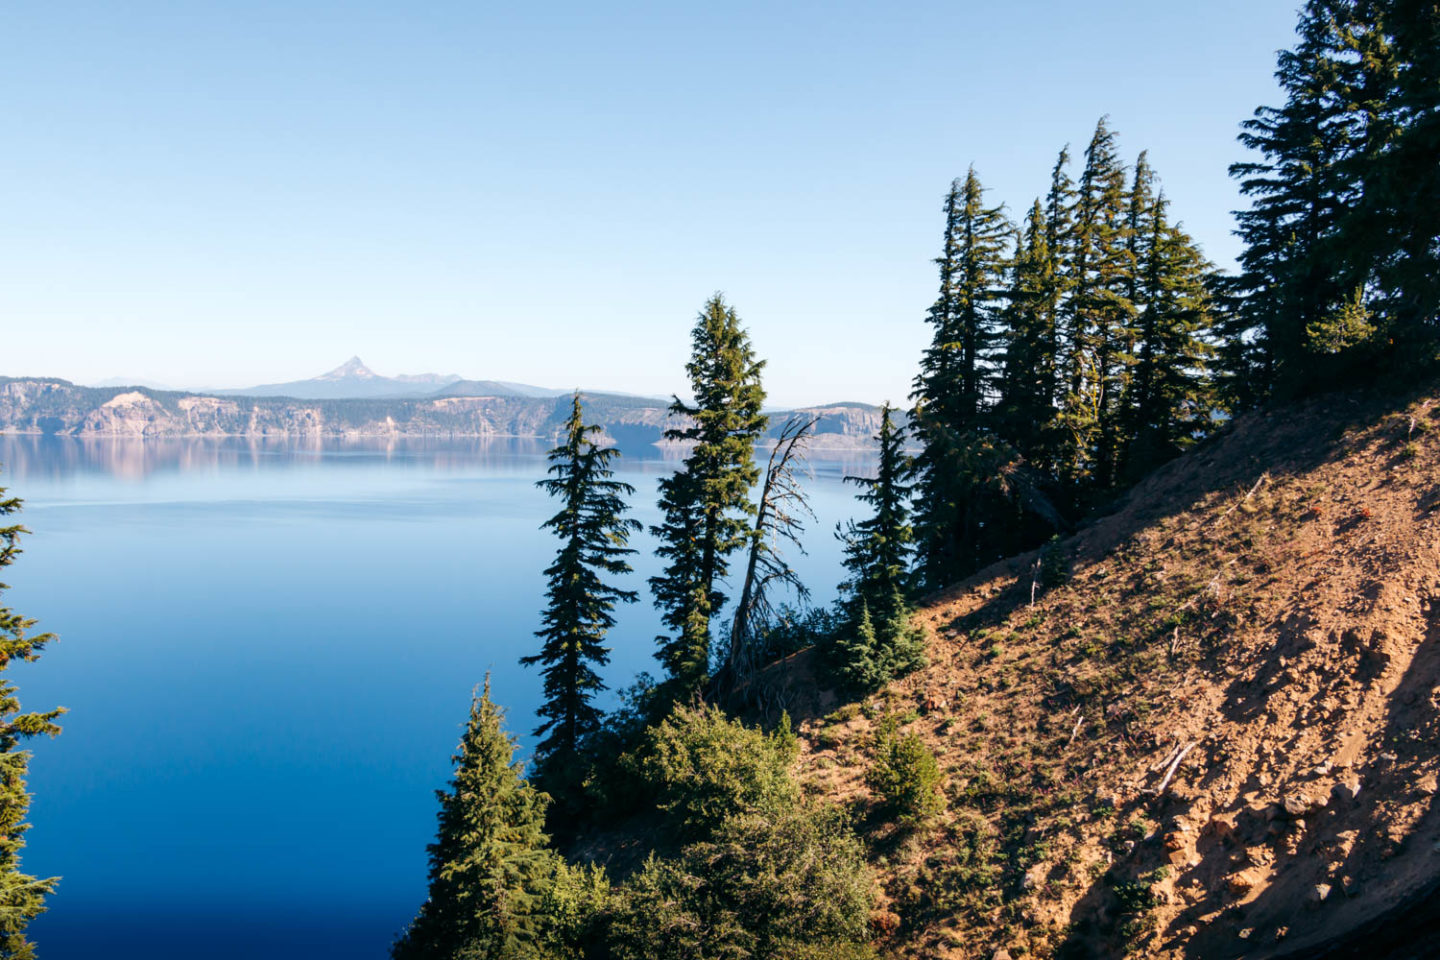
1258 622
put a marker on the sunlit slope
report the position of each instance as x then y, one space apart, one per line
1218 738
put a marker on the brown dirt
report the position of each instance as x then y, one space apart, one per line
1267 609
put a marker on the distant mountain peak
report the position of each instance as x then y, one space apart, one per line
352 369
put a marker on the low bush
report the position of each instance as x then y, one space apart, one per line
905 776
700 768
787 886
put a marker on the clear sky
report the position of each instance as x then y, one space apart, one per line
226 194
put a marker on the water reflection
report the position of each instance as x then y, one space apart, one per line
52 458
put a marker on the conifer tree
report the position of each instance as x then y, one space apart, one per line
594 537
1171 396
1405 178
1297 275
706 506
955 390
878 548
22 897
867 654
1098 318
489 865
1026 411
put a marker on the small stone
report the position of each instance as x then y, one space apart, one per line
1323 769
1348 790
1427 784
1319 893
1296 804
1001 954
1239 884
1245 934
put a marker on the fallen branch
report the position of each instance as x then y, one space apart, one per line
1263 477
1168 757
1074 733
1174 765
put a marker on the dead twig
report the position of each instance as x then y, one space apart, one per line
1174 765
1263 477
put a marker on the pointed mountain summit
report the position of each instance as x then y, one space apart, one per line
355 369
353 380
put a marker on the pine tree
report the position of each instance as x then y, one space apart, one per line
1098 319
1299 272
594 538
706 506
1171 396
490 867
876 641
955 391
1405 182
878 549
1025 415
22 897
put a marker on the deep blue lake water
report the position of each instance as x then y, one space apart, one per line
268 653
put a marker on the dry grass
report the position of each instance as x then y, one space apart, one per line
1271 602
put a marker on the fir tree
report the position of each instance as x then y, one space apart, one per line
865 654
1026 412
955 390
22 897
594 538
1299 273
1098 318
490 868
1171 394
1405 180
706 506
878 549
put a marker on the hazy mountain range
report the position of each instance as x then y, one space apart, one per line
354 401
353 380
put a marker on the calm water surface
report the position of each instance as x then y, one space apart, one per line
268 653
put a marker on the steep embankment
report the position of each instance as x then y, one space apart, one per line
51 406
1218 738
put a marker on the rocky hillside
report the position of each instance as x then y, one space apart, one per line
1215 735
51 406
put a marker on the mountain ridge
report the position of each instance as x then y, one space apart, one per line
52 406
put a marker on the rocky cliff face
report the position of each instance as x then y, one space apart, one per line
47 406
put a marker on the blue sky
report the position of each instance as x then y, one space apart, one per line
227 194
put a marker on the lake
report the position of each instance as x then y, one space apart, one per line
268 652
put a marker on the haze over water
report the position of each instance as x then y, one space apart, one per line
268 652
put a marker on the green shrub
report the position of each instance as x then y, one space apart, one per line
905 776
573 905
701 768
867 653
789 886
1054 564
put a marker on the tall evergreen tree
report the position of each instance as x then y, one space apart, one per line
594 542
1171 396
706 506
22 897
489 864
879 548
877 641
1300 280
1405 182
1026 412
1098 318
955 390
